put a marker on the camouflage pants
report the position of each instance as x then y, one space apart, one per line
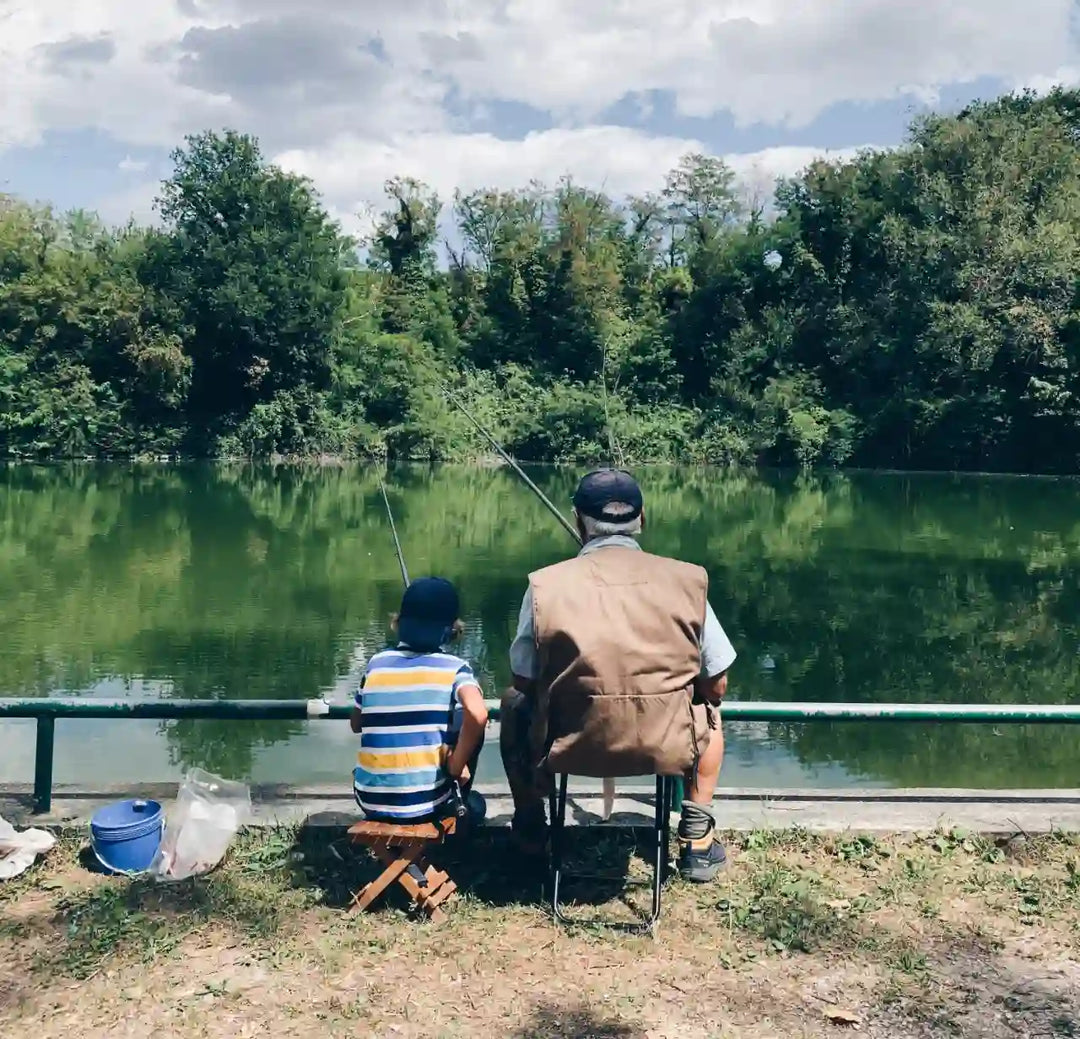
529 785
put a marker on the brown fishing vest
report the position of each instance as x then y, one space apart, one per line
618 637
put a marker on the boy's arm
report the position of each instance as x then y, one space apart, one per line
355 715
474 719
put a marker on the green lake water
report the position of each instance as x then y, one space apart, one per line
208 581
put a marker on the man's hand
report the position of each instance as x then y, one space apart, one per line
712 690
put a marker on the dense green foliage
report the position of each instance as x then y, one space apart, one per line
924 313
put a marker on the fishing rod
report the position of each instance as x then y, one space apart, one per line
513 465
393 530
458 799
321 706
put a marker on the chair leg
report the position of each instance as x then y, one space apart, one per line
396 865
661 839
558 824
671 782
660 850
438 887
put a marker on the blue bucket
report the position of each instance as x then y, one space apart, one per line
125 836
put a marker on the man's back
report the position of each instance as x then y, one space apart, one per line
618 639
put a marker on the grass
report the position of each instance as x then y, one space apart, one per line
946 933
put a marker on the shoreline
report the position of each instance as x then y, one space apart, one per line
997 812
491 460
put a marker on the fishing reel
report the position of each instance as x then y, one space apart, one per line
470 809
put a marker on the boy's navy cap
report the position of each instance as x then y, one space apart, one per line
429 608
602 488
431 599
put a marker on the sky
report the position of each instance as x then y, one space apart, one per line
94 94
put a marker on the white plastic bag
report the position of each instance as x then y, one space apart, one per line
200 827
18 850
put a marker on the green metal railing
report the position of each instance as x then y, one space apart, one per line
48 710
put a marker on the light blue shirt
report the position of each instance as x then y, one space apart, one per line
717 653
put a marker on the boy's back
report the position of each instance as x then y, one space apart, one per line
410 708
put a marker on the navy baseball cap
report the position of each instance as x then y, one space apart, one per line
429 608
601 489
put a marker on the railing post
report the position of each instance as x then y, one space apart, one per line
43 763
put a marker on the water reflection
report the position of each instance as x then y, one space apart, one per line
246 581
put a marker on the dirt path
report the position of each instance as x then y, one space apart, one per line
942 935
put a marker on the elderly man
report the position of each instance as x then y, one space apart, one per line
620 666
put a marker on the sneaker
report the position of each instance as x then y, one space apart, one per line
477 806
473 817
700 861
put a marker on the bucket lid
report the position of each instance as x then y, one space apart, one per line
123 817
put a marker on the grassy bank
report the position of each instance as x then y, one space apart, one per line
943 934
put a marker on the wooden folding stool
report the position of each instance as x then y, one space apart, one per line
399 847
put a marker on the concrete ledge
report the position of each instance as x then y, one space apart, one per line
872 811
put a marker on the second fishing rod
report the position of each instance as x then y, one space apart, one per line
608 783
497 447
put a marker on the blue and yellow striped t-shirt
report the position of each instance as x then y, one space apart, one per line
410 718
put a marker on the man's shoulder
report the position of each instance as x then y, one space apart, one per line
562 566
682 564
621 558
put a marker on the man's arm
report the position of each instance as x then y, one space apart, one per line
523 649
717 656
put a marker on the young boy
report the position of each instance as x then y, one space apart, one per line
420 713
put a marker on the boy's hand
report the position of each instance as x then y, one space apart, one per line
461 775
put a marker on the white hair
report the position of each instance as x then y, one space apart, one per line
595 528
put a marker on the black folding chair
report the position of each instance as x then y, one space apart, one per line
661 836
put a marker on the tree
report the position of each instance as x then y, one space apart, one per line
257 270
86 366
702 204
403 241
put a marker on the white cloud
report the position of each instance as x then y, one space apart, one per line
130 93
135 202
621 161
305 71
351 171
355 92
129 165
1066 76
